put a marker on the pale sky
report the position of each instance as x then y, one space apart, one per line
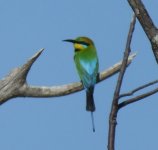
62 123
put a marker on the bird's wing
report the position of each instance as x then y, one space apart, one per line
87 70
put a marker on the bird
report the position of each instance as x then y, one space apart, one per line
87 65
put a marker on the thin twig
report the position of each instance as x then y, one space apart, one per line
138 89
114 107
137 98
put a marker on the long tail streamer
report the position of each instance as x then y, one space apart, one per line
93 124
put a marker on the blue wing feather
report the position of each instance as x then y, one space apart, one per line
87 70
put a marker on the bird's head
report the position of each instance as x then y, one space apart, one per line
81 43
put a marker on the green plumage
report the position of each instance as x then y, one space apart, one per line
86 61
87 66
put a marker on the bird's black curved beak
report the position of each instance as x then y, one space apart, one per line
69 40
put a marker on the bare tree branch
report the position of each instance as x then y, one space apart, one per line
61 90
147 24
152 34
15 84
114 107
12 83
137 98
138 89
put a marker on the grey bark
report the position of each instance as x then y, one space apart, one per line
147 24
15 84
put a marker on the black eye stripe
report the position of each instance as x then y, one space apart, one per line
82 42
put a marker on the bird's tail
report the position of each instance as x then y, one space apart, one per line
90 105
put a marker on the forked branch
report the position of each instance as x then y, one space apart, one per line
115 106
137 98
15 84
138 89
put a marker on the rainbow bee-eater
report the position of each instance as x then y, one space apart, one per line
86 60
